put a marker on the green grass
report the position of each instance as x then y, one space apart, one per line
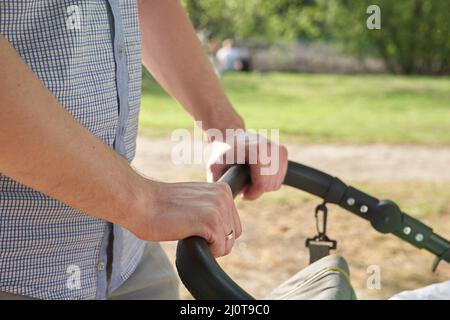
323 108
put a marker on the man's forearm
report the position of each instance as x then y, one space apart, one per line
175 57
43 146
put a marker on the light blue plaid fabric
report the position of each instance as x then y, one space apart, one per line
87 52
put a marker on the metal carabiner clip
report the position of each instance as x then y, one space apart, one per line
321 208
321 234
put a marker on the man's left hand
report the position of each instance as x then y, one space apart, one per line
266 159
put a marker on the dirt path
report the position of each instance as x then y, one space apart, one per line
355 163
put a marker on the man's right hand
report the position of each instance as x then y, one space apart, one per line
174 211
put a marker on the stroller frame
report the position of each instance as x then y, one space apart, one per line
205 279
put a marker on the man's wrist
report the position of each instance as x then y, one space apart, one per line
223 121
137 200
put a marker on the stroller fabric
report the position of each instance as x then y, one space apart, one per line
325 279
437 291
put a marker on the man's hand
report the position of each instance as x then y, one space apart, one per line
174 211
267 161
38 149
174 56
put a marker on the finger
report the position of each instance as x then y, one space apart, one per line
216 239
284 166
253 192
282 175
258 183
234 217
244 190
237 222
233 213
228 228
275 180
232 222
229 239
217 244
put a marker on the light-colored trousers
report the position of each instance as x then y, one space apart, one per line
153 279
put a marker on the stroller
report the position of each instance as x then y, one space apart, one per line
327 276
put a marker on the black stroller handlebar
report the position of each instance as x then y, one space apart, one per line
205 279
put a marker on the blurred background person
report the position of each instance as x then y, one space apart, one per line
232 57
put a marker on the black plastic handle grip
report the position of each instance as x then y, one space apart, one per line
205 279
198 270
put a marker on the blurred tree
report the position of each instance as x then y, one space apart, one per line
274 20
414 35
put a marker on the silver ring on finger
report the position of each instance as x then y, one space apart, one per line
230 236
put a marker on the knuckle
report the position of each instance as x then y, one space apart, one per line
221 184
217 203
216 217
225 188
212 219
224 195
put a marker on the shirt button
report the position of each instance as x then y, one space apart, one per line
121 51
123 130
101 266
